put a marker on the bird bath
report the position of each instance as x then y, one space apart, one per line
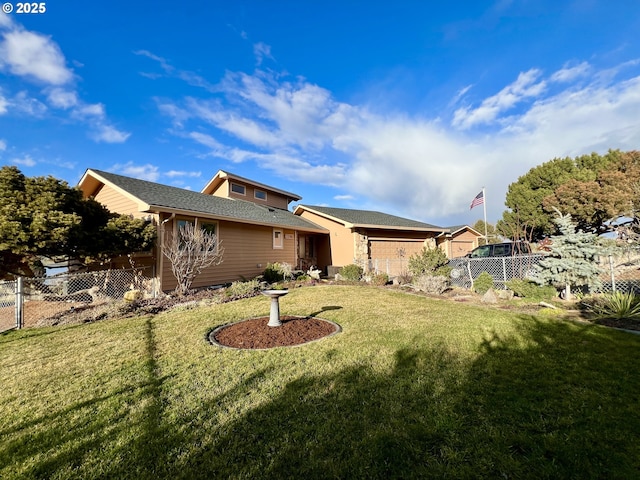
274 314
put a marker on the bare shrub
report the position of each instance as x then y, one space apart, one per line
189 252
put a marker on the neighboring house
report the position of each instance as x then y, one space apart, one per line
375 240
255 227
251 220
459 240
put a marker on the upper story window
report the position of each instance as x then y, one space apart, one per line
239 189
260 195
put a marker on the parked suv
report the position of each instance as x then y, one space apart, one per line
506 249
503 261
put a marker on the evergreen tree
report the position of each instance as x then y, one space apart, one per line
574 258
45 217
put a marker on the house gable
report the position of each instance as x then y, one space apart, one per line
155 198
368 236
228 185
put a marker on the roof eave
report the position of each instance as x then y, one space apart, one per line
398 227
163 209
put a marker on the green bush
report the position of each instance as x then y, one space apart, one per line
430 261
615 306
272 273
277 272
483 283
351 272
531 290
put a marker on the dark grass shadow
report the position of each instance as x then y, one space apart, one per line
324 309
554 400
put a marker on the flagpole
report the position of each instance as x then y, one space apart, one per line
484 204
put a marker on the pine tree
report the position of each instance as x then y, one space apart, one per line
574 258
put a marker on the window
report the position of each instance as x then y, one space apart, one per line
483 251
260 195
501 250
239 189
208 227
278 239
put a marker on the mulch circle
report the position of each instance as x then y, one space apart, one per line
254 333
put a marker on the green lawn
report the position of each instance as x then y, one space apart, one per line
412 388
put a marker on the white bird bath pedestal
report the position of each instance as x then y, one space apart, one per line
274 314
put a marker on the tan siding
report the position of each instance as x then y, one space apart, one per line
118 203
341 242
460 244
274 199
222 190
247 250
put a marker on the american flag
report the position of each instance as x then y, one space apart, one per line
478 200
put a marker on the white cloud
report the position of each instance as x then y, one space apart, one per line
206 140
524 87
25 161
182 174
143 172
36 57
413 166
342 198
3 145
33 55
262 51
3 104
91 110
23 103
568 74
62 98
109 134
5 22
189 77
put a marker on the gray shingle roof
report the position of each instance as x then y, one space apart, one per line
372 218
173 198
455 228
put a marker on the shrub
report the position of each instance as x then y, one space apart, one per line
429 261
351 272
531 290
379 279
404 278
483 283
615 306
435 284
277 272
241 289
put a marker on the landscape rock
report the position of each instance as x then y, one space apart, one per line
490 297
505 294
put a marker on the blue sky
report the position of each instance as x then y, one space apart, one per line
407 107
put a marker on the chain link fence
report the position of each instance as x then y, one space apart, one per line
621 272
502 269
391 266
28 301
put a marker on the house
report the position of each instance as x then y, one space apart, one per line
459 240
251 220
255 227
379 241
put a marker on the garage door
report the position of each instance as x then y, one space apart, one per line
385 254
460 248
